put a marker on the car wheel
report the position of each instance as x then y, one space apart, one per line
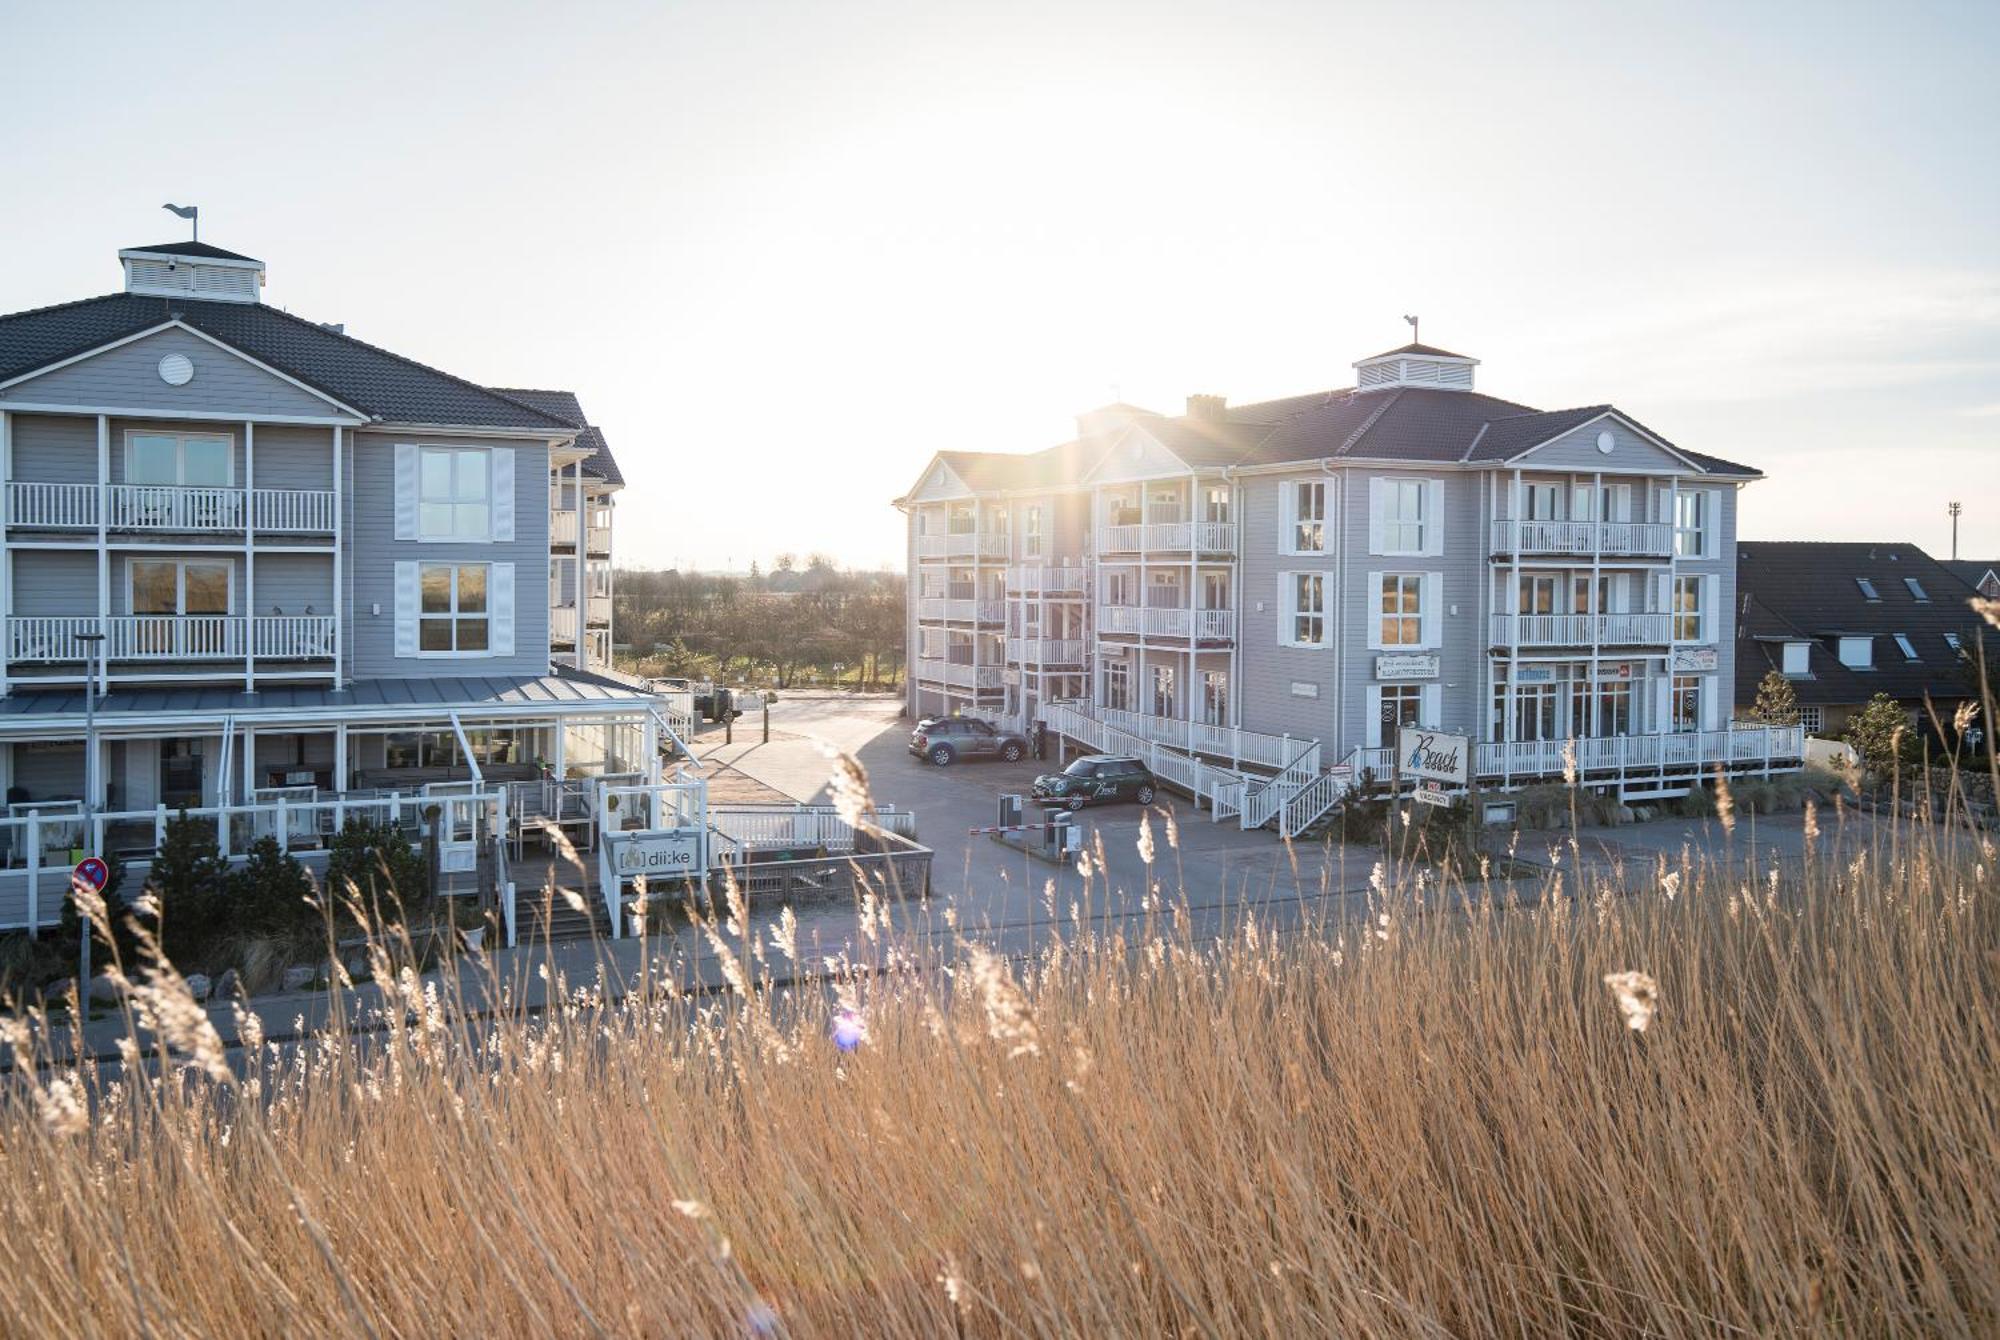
1144 795
1073 804
943 755
1011 752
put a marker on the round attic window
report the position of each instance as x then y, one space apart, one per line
177 369
1606 441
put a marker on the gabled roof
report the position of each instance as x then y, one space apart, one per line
386 385
196 250
1805 590
1972 571
1421 425
564 405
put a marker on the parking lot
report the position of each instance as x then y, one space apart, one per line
1221 862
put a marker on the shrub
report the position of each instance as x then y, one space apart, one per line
377 858
1880 732
268 895
190 879
1777 702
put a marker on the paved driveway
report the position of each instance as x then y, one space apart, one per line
1221 862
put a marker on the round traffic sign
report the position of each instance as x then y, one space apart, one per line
92 873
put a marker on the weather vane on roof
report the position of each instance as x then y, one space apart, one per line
192 213
1413 328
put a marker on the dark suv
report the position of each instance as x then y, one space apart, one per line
945 740
1095 779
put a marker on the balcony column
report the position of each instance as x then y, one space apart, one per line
1514 610
340 752
582 559
249 556
339 582
249 769
1598 602
6 542
103 555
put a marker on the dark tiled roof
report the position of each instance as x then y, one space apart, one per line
1972 571
564 405
198 250
1421 425
1801 589
356 373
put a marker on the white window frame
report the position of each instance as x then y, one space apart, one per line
1677 687
1695 528
1804 666
455 502
1291 587
1694 609
180 567
1031 532
1118 673
1215 504
1867 646
181 440
453 617
1396 526
1305 505
1215 697
1405 583
1166 700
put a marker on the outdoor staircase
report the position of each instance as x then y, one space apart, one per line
535 906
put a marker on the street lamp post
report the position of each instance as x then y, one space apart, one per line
91 667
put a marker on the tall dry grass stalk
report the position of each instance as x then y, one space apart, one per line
1429 1118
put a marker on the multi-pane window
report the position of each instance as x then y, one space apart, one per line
1691 522
1813 719
1403 516
1165 700
1308 516
1534 710
453 615
1687 609
1684 703
1031 533
1215 590
1402 600
179 586
1540 501
1308 609
190 459
1538 595
1118 686
454 493
1614 707
1402 705
1214 698
1588 597
1215 504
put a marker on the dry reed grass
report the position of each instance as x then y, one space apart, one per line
1429 1116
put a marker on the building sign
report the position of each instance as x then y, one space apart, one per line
1430 793
1300 689
1687 660
1429 755
1407 665
657 855
1534 674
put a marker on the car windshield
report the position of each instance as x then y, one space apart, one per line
1081 768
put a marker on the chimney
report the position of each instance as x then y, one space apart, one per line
1210 408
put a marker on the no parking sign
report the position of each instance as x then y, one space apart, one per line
92 873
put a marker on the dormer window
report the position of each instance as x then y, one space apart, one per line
1798 659
1857 653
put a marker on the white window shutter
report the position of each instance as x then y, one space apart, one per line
406 491
1620 503
1433 517
1582 505
1708 701
503 495
1373 611
407 595
1711 528
1375 506
1663 594
1711 612
1663 710
1431 596
1288 515
500 639
1433 705
1372 696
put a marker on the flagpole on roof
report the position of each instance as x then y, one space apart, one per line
192 213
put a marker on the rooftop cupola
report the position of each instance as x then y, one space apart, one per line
192 270
1415 365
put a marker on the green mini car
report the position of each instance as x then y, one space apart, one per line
1097 779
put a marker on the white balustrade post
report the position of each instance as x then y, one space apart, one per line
35 876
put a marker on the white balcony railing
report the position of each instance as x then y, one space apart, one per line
1612 757
50 638
1581 630
56 506
1154 537
957 674
599 538
562 525
173 637
961 609
598 610
1582 539
1055 578
1168 622
1045 651
292 637
963 544
161 507
293 511
169 508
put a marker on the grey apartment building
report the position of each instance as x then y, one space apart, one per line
1272 589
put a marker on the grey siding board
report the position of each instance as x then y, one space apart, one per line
373 551
294 456
291 582
49 772
55 449
52 581
128 376
1577 450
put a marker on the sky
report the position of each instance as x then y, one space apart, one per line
785 252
